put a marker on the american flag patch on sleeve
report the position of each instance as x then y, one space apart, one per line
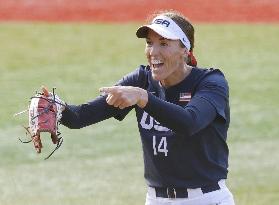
185 97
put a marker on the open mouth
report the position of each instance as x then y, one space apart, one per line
156 64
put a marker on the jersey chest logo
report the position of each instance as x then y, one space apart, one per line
147 122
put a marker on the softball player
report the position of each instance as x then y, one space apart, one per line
182 112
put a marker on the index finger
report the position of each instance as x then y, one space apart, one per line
107 90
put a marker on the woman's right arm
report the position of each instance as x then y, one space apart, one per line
78 116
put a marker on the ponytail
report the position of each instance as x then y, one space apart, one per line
192 60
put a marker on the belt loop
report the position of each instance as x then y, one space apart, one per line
173 193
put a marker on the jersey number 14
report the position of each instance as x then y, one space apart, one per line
162 146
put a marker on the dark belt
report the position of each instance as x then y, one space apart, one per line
182 192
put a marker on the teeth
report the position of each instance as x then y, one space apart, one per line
156 62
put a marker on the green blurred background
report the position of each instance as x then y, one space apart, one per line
102 164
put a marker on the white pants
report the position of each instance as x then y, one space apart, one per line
222 196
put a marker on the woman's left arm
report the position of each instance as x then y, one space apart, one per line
188 120
209 101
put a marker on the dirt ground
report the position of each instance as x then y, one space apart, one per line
137 10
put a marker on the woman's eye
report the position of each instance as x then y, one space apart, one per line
163 44
148 43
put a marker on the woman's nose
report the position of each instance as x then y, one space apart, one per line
153 50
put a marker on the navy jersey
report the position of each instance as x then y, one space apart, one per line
183 128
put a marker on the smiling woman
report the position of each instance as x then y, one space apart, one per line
166 59
169 47
182 112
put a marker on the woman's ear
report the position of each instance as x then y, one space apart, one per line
186 52
186 55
